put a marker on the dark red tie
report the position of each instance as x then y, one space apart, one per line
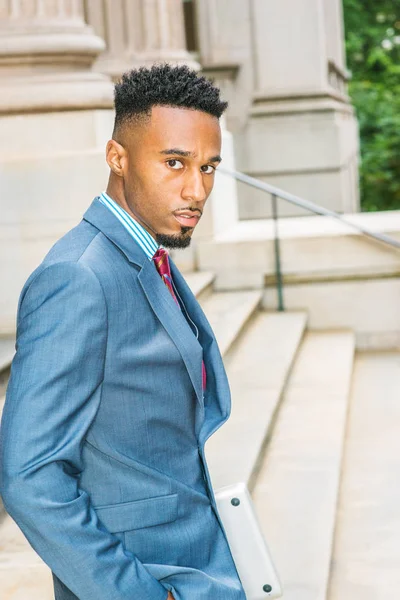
162 265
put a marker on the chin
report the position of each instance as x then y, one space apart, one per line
175 240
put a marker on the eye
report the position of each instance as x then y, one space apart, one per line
174 163
208 169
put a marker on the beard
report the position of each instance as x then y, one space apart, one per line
177 240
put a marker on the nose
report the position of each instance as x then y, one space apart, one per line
194 189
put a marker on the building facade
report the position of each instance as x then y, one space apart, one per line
280 65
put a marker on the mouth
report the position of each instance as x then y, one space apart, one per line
187 218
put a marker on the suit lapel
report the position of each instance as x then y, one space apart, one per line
192 305
174 323
103 219
217 382
155 290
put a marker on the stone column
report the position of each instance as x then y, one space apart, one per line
224 33
138 32
302 133
55 118
46 54
333 12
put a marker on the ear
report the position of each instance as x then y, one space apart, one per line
115 157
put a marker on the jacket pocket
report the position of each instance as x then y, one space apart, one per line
138 513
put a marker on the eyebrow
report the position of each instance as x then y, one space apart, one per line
188 154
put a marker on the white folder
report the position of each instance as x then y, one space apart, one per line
249 550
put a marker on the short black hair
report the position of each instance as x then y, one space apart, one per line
164 85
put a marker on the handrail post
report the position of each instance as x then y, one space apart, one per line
278 268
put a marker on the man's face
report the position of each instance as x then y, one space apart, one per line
168 171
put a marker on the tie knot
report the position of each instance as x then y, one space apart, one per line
160 252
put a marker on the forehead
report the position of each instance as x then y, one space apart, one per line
187 129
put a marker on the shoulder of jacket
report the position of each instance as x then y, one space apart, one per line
50 277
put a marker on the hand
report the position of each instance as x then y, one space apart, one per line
170 596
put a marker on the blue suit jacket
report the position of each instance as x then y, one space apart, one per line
104 425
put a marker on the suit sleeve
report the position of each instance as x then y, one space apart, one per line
52 399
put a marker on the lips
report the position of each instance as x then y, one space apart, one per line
187 219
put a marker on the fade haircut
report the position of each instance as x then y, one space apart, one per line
163 85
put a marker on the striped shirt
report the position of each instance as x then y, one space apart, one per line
139 234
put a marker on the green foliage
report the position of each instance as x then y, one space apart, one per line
373 56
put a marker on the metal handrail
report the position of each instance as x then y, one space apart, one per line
307 205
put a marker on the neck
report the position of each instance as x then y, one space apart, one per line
115 189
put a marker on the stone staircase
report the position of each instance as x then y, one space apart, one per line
258 369
297 486
300 437
366 553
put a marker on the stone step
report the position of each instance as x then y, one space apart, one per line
246 250
296 491
257 370
228 313
366 556
342 279
200 282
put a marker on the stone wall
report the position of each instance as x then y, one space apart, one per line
281 64
55 117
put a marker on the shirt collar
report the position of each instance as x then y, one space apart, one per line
134 228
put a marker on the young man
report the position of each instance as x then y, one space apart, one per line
117 381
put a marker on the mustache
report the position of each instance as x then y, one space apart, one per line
188 209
